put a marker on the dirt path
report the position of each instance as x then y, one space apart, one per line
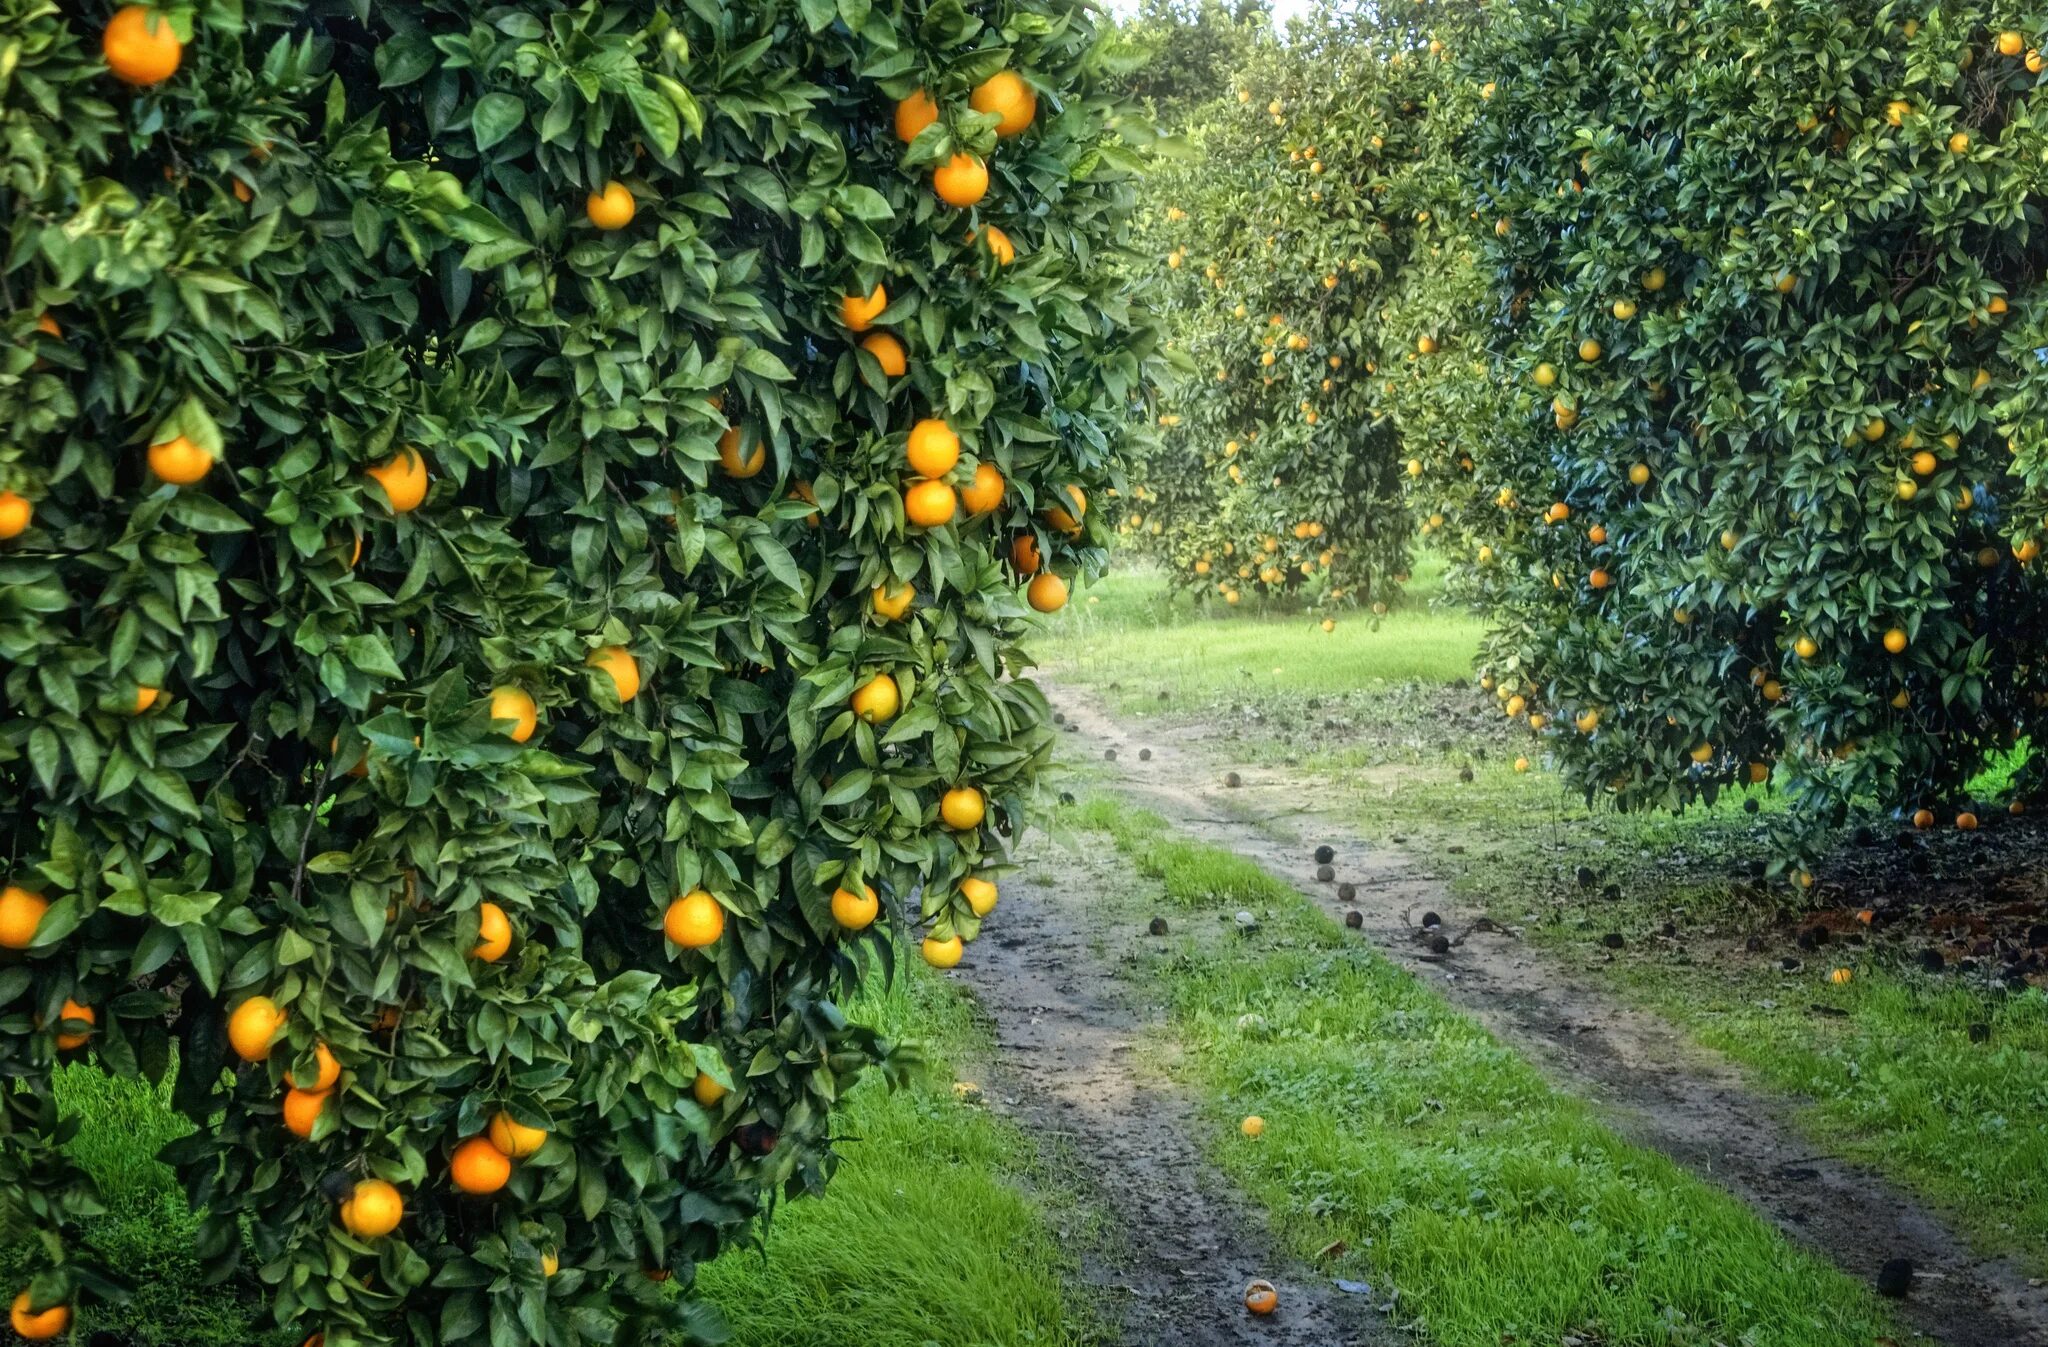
1067 1066
1653 1084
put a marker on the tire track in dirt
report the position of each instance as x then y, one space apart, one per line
1067 1066
1652 1083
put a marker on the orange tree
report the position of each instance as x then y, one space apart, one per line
507 600
1317 199
1768 299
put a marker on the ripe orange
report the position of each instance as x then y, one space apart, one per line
1806 647
930 503
493 933
943 953
707 1090
515 1138
1060 517
612 207
253 1027
933 448
732 458
1895 641
694 920
980 895
914 114
515 705
70 1040
1000 248
1703 752
856 911
15 512
550 1263
877 700
1047 593
985 492
888 353
145 697
1009 99
963 808
327 1071
140 47
38 1327
859 314
302 1111
1596 535
20 913
1924 463
1599 579
891 603
961 181
1024 556
404 479
618 664
1589 350
179 461
1923 818
1840 977
1261 1299
479 1168
1966 821
1253 1126
1425 345
2010 43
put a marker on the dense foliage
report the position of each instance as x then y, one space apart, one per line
1299 247
479 680
1771 331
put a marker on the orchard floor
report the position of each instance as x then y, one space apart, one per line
1897 1116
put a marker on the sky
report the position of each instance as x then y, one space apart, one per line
1283 10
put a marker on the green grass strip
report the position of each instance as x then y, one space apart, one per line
1500 1209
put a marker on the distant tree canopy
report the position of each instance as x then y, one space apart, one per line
1192 47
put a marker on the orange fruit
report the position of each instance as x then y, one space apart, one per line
1024 554
890 604
253 1027
618 664
961 181
877 700
1047 593
70 1040
1253 1126
859 314
515 705
612 207
1966 821
1060 517
1840 977
515 1138
914 114
707 1090
1599 579
856 911
1895 641
963 808
1261 1299
145 697
302 1111
326 1073
985 492
20 913
888 353
1000 248
933 448
1806 647
479 1168
493 933
140 47
550 1263
179 461
1923 818
930 504
694 920
36 1327
943 953
980 895
15 512
1005 95
404 479
1589 350
730 457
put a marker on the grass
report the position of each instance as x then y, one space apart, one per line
1494 1208
1128 632
943 1224
1894 1082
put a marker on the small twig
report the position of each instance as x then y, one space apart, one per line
312 817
